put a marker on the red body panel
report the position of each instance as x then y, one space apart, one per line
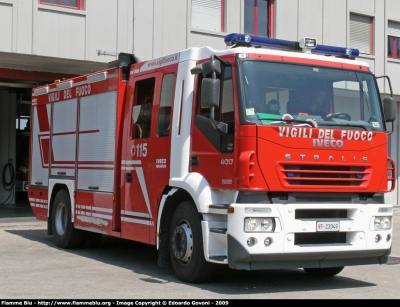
147 161
98 205
324 150
39 204
85 200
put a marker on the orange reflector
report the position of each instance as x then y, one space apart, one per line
231 209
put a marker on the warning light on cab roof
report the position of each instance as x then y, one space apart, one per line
305 44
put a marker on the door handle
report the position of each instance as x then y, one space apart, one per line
129 177
194 161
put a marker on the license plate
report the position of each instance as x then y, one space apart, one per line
328 226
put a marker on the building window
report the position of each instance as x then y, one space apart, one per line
208 15
75 4
361 30
393 40
258 17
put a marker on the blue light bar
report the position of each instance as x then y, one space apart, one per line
331 50
252 40
236 39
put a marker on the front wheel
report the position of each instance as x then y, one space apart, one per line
186 245
324 272
65 235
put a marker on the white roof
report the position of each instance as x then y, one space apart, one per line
206 52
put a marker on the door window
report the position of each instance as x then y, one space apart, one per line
164 113
142 108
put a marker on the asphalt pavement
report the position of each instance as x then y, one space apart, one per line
33 267
22 209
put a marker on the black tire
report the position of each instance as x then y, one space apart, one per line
64 233
324 272
186 245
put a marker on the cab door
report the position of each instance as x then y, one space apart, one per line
145 165
213 152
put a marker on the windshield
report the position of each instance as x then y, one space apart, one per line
301 94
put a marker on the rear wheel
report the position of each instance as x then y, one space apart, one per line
324 271
186 245
64 233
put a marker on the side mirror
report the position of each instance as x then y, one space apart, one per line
389 108
207 68
210 67
211 88
210 91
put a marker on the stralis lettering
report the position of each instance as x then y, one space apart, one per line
330 158
324 138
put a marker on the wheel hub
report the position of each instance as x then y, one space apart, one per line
61 219
182 242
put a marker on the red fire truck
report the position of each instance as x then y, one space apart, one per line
271 154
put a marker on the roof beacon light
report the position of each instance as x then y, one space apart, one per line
338 51
236 40
306 45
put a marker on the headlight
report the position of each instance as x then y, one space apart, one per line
265 224
259 224
382 222
251 224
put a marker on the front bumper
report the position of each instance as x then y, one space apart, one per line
239 258
357 244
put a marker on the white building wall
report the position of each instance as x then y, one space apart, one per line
52 38
392 69
363 7
125 26
44 30
154 28
169 33
6 24
234 17
286 19
24 23
143 29
310 13
334 23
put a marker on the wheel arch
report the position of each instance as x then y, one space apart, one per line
199 189
54 187
168 204
191 187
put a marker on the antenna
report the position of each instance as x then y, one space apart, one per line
103 52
